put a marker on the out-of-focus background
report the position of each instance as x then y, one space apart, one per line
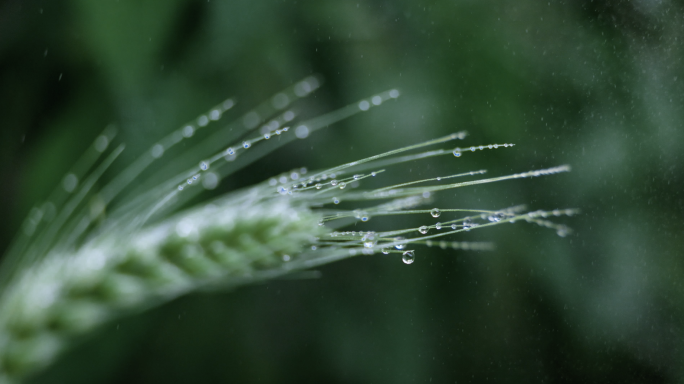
594 84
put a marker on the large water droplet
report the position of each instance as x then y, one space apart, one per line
435 212
408 257
423 229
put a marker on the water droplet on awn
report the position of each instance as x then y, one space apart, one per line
408 257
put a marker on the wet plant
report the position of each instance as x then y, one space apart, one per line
88 255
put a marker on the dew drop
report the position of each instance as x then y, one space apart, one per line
188 131
282 190
562 232
286 258
180 187
369 240
333 182
230 151
215 114
204 165
481 147
202 121
394 93
251 120
342 185
373 174
408 257
301 132
435 212
438 226
267 136
399 246
210 181
189 181
101 143
365 218
423 229
157 151
336 200
385 251
69 182
376 100
356 177
280 101
457 152
364 105
454 226
472 149
319 186
495 218
246 144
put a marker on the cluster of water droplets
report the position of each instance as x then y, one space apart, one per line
458 151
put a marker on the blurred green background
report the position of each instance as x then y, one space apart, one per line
595 84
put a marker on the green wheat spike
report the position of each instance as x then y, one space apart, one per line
74 268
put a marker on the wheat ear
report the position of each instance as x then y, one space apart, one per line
74 268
